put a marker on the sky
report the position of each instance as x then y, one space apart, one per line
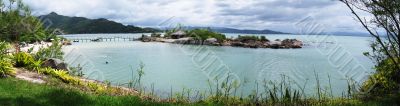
278 15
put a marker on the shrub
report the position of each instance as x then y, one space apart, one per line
203 34
383 81
53 51
60 74
23 59
66 78
6 68
3 49
76 71
248 38
35 65
47 71
263 38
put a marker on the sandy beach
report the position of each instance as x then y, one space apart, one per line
36 46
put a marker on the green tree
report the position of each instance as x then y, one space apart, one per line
263 38
384 27
204 34
17 24
200 34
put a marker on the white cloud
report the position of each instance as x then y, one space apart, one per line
250 14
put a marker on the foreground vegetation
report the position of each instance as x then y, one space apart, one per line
66 88
23 93
384 27
55 92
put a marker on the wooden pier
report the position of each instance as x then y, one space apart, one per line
103 39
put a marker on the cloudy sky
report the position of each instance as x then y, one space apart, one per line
280 15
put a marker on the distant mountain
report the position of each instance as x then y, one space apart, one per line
232 30
246 31
350 33
81 25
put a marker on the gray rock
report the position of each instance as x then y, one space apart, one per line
55 64
211 41
178 34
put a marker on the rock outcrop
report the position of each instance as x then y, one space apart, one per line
276 44
55 64
291 43
211 41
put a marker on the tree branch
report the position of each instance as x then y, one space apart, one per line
376 35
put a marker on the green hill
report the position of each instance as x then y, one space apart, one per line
81 25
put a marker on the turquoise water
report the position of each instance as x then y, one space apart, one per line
177 67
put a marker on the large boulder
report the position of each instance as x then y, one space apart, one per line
178 34
67 42
297 44
210 41
275 44
237 44
145 38
183 40
291 43
55 64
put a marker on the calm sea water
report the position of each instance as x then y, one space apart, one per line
177 67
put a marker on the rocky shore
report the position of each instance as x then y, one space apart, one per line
246 43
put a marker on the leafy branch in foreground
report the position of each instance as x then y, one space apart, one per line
384 27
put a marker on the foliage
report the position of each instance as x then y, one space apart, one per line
382 82
35 65
252 38
76 71
384 27
197 34
65 77
26 60
60 74
136 81
248 38
18 25
263 38
272 93
19 92
140 73
23 59
3 49
6 67
53 51
204 34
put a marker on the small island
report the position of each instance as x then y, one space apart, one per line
208 37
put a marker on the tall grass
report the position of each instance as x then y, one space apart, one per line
266 92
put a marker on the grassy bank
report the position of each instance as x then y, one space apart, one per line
17 92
